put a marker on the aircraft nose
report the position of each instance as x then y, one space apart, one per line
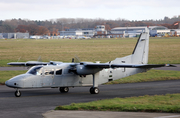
15 82
9 83
6 83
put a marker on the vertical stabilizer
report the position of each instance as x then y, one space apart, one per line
141 50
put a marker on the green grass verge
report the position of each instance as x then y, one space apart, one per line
151 75
159 103
5 75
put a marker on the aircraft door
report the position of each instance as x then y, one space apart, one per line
48 77
57 81
69 78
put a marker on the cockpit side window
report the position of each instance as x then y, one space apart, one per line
36 70
49 72
58 71
39 72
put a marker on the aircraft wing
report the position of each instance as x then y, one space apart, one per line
107 65
17 63
33 63
97 65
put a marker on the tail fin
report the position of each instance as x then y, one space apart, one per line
140 53
141 50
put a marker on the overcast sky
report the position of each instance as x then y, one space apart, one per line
107 9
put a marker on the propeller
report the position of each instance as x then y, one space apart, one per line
19 59
76 59
39 59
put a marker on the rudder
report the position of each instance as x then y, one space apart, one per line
141 50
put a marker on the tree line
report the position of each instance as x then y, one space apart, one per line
51 27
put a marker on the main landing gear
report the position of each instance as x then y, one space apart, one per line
94 89
17 93
64 89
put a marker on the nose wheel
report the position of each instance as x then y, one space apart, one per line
64 89
17 93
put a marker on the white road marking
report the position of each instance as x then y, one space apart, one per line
175 116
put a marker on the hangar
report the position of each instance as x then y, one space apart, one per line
135 31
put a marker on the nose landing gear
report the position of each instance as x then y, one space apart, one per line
64 89
17 93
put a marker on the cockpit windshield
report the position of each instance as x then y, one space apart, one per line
36 70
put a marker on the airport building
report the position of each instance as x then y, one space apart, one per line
136 31
98 32
14 35
175 32
118 32
88 32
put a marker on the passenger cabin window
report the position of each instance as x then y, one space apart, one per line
59 72
36 70
49 72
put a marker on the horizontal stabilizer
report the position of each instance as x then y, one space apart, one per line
107 65
141 65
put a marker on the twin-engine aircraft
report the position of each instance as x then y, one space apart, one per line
64 75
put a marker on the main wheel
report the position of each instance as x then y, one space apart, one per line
94 90
17 93
64 89
91 90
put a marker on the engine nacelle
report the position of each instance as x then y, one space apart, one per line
82 70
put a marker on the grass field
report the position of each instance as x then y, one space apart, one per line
5 75
162 50
158 103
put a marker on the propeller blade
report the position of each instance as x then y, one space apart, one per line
76 59
39 59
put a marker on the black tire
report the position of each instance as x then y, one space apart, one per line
91 90
64 89
94 90
17 93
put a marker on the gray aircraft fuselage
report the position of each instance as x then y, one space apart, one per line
59 76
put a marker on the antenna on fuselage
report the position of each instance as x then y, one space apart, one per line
72 60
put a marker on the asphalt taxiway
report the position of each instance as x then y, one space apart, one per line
34 102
